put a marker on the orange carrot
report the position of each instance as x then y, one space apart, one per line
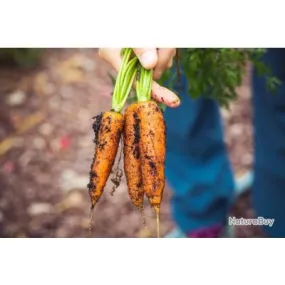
132 156
108 128
152 143
152 147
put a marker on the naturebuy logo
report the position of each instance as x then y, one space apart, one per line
260 221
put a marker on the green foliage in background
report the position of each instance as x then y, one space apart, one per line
215 73
20 57
210 72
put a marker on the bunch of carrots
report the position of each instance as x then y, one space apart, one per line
142 129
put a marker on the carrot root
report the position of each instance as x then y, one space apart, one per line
118 174
108 129
90 222
152 147
132 155
158 225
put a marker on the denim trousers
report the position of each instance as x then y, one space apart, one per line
197 164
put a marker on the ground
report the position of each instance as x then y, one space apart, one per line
46 149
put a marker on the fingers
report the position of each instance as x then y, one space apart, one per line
147 56
159 60
111 56
165 60
164 95
159 93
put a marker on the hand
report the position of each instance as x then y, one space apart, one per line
158 59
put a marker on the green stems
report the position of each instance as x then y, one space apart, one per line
126 76
144 84
124 81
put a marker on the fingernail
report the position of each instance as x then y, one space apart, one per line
175 103
148 59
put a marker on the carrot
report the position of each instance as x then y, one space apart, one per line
152 146
132 157
144 152
144 140
145 147
108 128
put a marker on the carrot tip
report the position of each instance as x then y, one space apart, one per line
90 222
158 225
156 209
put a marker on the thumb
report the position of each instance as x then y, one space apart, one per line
111 56
147 56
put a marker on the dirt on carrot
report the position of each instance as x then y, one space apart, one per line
108 129
153 150
117 174
152 146
132 156
132 159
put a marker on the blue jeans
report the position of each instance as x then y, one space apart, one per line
197 164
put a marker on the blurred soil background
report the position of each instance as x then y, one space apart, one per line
46 149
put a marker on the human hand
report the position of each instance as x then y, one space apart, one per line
150 58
